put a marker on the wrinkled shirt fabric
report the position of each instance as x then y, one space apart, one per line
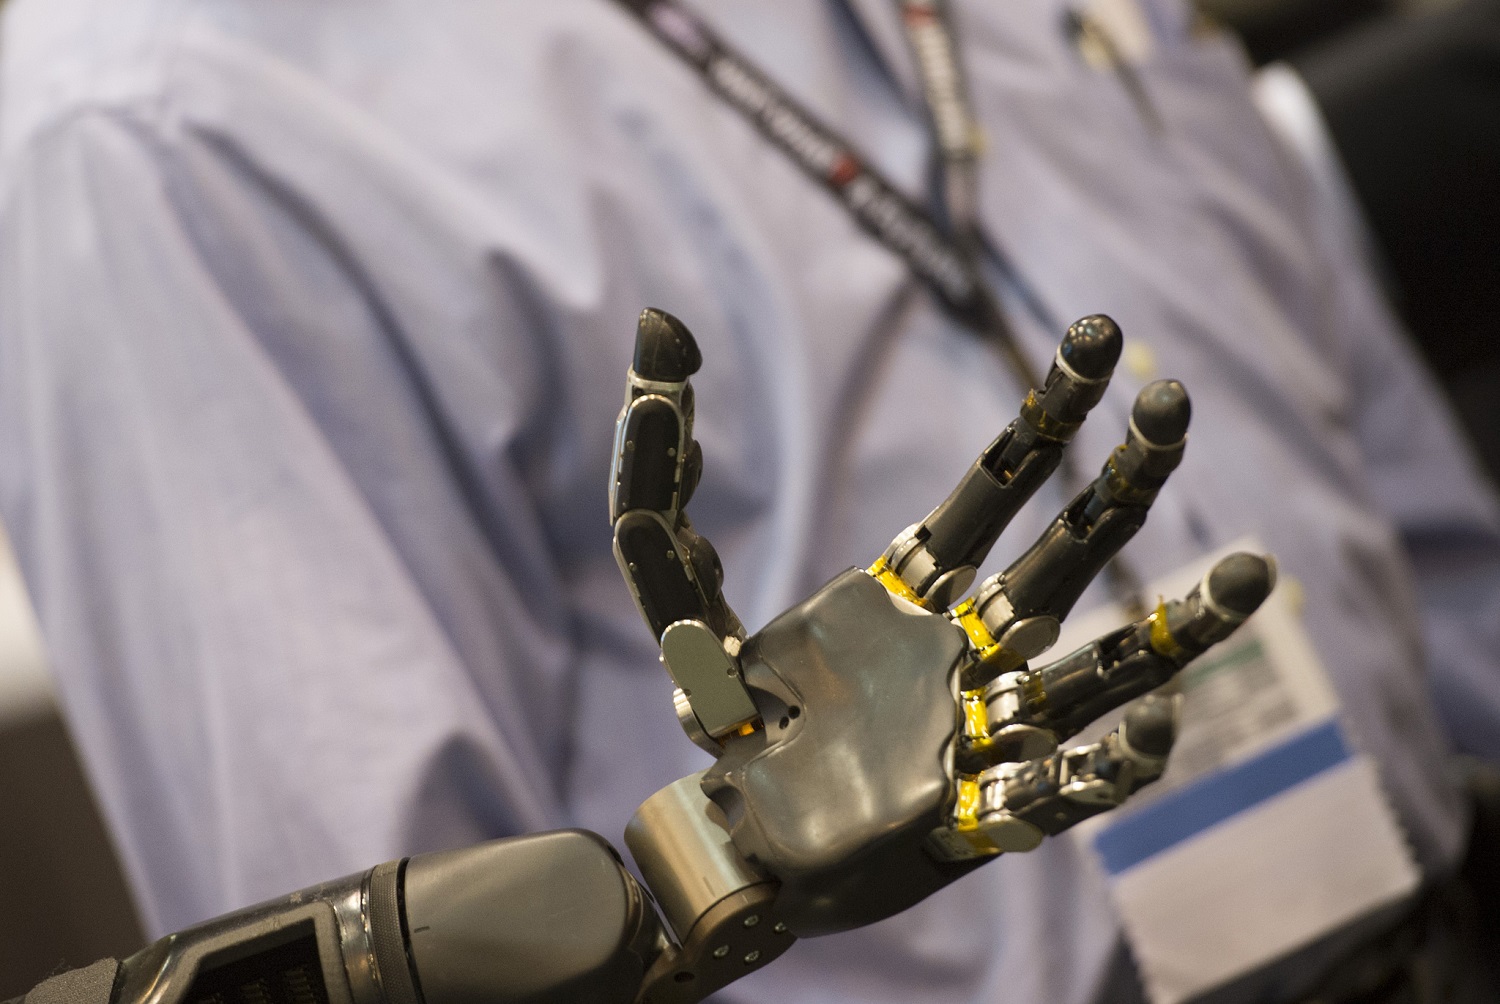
314 318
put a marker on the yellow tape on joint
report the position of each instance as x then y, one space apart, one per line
976 715
893 583
967 617
966 819
1162 640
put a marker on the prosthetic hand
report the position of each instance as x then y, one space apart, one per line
872 744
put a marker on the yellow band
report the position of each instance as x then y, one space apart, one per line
967 617
966 812
966 818
1121 489
893 583
1162 641
976 715
1045 424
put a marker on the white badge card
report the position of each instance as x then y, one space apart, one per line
1267 830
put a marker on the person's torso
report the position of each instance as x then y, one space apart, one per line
560 148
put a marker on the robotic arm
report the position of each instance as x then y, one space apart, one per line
873 743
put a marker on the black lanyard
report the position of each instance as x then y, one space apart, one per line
948 259
947 263
930 37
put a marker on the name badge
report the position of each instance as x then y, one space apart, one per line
1269 828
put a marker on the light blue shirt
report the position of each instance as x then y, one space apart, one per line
314 318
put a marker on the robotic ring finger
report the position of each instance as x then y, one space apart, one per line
872 744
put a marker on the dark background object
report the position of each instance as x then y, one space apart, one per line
63 902
1271 29
1413 104
1410 90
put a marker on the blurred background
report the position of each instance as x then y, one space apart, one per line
1409 91
63 902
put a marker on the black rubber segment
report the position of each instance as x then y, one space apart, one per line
1054 572
648 473
964 528
667 593
1162 412
548 917
1241 582
1092 346
664 348
1151 727
388 936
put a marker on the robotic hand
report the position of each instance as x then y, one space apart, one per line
872 743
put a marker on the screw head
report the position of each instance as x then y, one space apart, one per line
721 951
779 928
752 920
752 957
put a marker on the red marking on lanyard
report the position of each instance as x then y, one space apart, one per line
918 15
845 170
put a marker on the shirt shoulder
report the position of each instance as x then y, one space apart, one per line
72 56
228 66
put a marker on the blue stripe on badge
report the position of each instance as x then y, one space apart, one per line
1213 799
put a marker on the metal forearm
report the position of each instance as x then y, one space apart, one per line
545 919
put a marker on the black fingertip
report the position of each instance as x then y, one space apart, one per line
1241 582
1151 726
664 348
1092 346
1162 412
